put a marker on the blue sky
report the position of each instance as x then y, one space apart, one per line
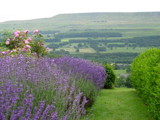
31 9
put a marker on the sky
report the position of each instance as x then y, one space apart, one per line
32 9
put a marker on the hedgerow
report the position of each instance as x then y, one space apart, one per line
145 78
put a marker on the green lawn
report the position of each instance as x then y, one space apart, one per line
119 104
117 72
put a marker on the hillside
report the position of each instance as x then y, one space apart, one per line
89 21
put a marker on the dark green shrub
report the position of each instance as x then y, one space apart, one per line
145 76
128 82
110 80
120 81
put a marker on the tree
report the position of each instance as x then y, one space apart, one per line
77 50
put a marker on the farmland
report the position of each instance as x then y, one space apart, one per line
97 35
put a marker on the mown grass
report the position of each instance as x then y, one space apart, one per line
119 104
117 72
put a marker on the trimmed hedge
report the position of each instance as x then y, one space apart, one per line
145 76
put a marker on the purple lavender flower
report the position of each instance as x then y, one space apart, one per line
30 87
83 69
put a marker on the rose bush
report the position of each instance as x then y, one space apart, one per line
22 42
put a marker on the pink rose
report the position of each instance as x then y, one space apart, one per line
7 42
27 46
4 53
23 49
8 39
29 39
26 41
47 48
26 31
16 35
35 31
17 32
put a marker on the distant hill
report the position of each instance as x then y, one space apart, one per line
81 21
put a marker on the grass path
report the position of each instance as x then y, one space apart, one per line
119 104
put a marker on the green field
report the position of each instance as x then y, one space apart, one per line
91 34
117 72
119 104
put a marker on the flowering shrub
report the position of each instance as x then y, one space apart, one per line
10 108
49 91
89 77
22 43
83 69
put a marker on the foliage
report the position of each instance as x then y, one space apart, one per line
23 43
53 55
119 57
110 80
145 78
128 82
89 90
122 81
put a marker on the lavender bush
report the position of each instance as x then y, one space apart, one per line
13 107
46 84
89 77
45 88
83 69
